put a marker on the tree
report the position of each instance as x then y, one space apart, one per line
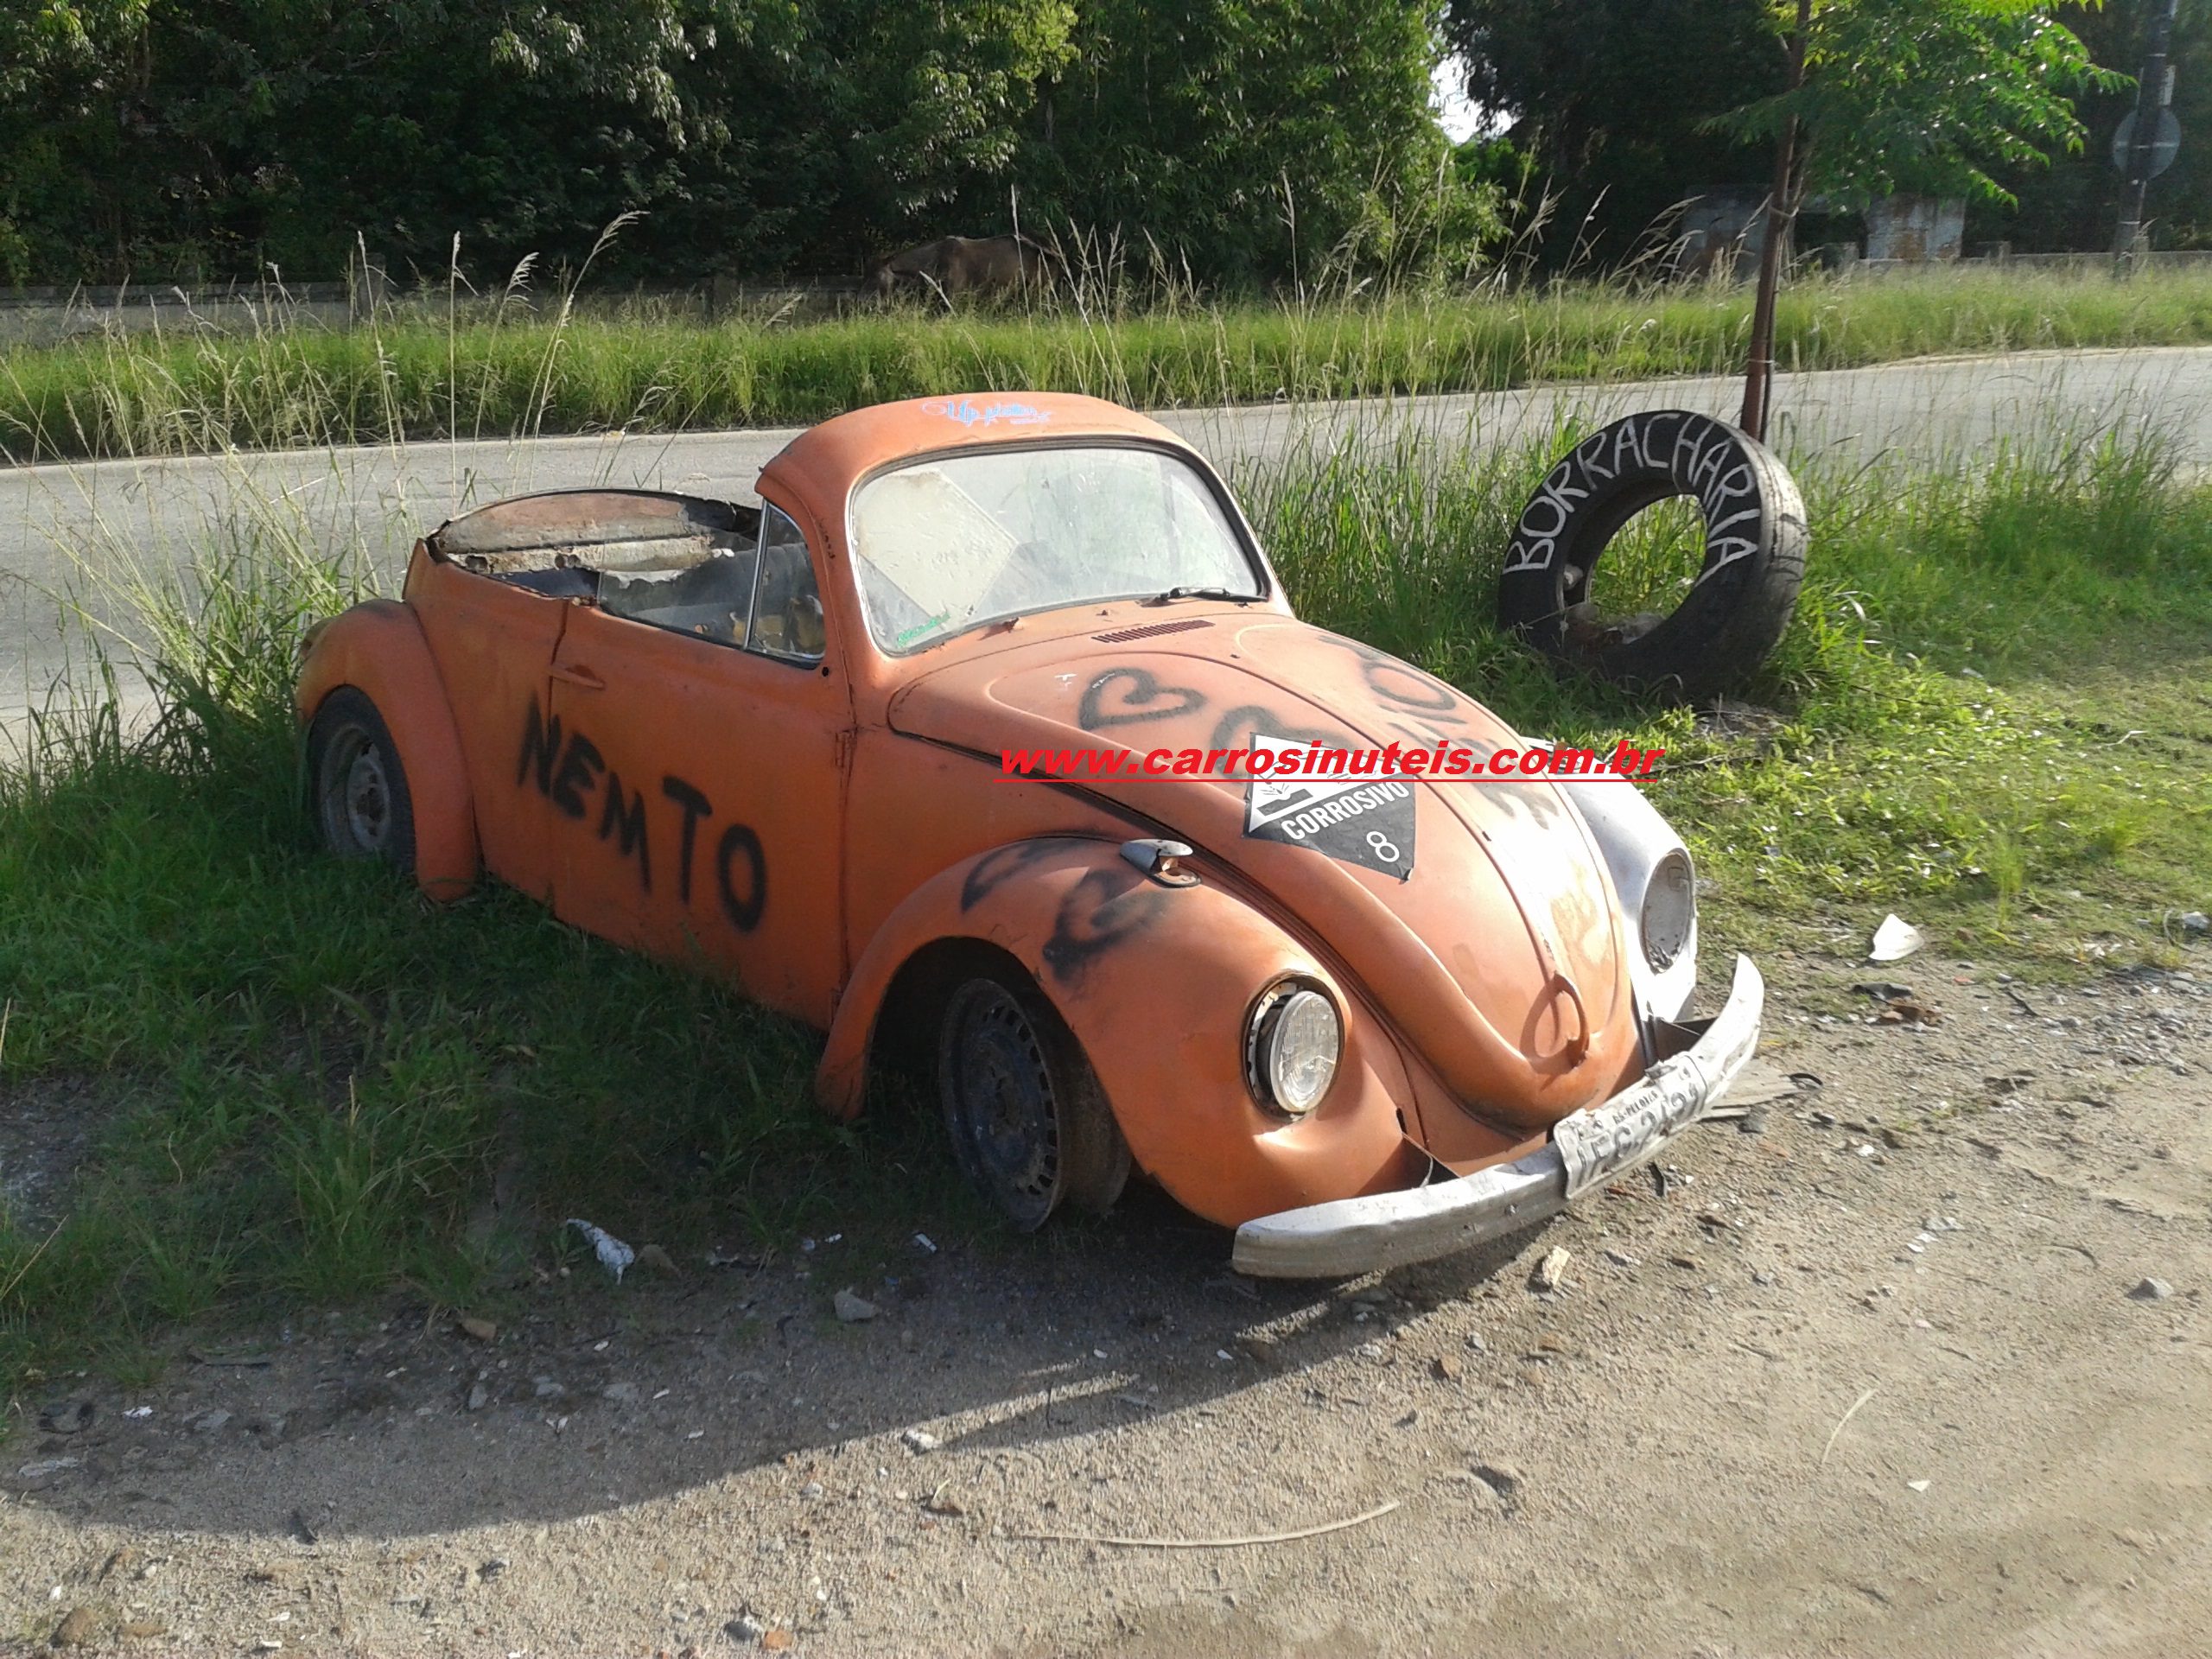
198 138
59 63
1922 97
191 137
1257 138
1888 96
1613 98
891 123
2070 204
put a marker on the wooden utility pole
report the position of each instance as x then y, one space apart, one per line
1781 216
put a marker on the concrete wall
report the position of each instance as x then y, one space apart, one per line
1916 229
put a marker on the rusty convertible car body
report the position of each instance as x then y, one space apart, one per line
768 740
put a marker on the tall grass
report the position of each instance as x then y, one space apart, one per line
1938 711
320 1087
314 1079
503 369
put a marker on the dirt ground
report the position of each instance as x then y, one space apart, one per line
1866 1378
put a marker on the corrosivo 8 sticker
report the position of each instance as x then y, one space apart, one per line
1367 821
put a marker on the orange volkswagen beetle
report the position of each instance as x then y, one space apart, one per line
1372 1026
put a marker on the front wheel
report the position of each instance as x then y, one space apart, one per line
357 788
1030 1125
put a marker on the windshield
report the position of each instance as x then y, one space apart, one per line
944 545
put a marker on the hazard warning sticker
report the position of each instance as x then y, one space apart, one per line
1364 820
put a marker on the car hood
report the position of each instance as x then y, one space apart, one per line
1492 944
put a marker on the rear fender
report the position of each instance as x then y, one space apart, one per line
378 647
1156 982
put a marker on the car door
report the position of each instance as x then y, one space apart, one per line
701 813
493 646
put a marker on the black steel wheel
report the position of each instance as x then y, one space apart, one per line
1030 1126
357 788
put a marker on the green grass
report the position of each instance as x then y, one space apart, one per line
1989 715
503 370
319 1081
1993 696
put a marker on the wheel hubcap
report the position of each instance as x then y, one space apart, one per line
999 1096
356 795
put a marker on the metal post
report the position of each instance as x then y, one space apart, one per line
2154 92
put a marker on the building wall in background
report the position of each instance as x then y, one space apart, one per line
1916 229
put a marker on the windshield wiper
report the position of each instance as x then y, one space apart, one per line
1174 594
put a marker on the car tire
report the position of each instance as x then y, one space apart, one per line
357 788
1030 1126
1736 612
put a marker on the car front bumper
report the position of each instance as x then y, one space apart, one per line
1386 1230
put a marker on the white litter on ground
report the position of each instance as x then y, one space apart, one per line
613 1254
1895 940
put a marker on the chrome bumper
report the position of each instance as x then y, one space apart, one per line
1389 1229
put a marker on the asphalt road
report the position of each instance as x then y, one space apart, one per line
151 517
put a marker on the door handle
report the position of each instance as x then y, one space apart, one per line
580 677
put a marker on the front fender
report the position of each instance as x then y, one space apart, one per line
378 647
1632 838
1156 982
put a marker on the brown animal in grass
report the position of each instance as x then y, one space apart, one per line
954 266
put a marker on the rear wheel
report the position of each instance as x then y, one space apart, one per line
357 788
1030 1125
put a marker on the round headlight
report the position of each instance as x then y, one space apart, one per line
1669 910
1292 1045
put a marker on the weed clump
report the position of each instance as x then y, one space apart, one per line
451 367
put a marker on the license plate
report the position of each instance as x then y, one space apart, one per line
1596 1146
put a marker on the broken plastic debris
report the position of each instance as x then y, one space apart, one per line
1918 1485
1551 1272
613 1254
852 1309
1895 940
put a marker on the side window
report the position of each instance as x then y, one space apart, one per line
708 598
786 607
